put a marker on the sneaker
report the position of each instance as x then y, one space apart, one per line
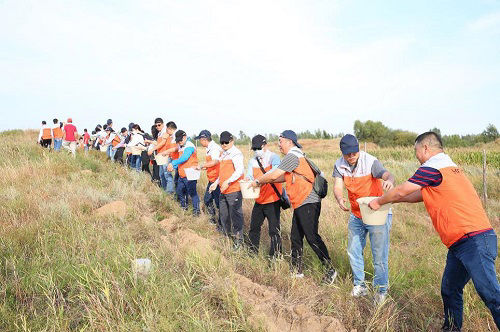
330 276
379 298
297 275
359 290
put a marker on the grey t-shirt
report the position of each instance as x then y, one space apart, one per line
289 163
377 170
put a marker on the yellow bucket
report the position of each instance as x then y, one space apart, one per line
372 217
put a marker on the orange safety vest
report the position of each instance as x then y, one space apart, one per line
46 133
361 187
191 162
116 140
225 172
165 146
58 133
267 193
212 172
169 145
454 206
297 187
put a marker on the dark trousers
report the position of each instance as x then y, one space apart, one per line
231 214
210 199
46 143
155 176
187 187
119 155
471 258
305 222
145 162
271 211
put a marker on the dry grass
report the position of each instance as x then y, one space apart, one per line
63 268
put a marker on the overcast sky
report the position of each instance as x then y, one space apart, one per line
259 66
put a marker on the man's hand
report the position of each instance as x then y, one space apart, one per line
254 184
224 186
341 202
170 167
212 187
150 152
198 168
374 204
387 185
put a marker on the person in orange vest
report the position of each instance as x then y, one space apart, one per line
45 136
57 133
112 140
361 173
295 171
187 159
231 199
163 143
460 220
267 205
120 147
172 150
212 166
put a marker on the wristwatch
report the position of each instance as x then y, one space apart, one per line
257 181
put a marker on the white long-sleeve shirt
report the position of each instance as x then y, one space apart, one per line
136 139
235 155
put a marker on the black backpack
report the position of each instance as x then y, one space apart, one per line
320 184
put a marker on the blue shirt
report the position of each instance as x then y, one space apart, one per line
275 162
186 153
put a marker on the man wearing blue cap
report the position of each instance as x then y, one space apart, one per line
361 172
299 177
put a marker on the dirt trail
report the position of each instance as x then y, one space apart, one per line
268 308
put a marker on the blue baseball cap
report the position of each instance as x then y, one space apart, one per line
291 135
204 134
349 144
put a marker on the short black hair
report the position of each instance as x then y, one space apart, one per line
105 126
85 130
431 138
171 125
158 120
55 121
44 123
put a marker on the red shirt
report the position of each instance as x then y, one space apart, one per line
86 138
70 132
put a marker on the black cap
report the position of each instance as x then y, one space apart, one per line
225 136
109 129
291 135
204 134
123 130
158 120
179 135
349 144
109 122
258 141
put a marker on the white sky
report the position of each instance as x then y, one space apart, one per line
259 66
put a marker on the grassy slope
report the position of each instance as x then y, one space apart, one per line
64 268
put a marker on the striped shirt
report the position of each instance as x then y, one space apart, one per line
426 177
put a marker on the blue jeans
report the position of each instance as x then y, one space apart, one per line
379 242
135 162
109 151
471 258
57 144
166 178
188 187
209 199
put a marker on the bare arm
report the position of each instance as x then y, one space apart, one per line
414 197
395 194
278 175
338 192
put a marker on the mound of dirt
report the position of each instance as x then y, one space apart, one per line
116 208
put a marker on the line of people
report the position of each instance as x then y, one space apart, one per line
449 197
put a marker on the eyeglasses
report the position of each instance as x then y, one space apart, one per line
158 124
256 149
224 142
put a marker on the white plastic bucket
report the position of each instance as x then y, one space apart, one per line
372 217
249 193
141 267
104 148
192 174
161 160
136 151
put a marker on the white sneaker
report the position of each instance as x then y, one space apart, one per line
359 290
379 298
297 275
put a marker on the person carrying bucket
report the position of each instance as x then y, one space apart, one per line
299 176
361 173
460 220
267 205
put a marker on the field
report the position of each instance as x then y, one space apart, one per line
65 267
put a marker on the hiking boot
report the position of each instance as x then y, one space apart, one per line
329 276
359 290
379 298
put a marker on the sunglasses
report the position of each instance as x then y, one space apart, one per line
158 124
256 149
224 142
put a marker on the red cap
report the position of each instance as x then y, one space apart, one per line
70 120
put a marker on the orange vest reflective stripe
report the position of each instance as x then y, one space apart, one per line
58 133
191 162
116 140
46 133
454 206
361 187
267 194
297 187
226 170
212 172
